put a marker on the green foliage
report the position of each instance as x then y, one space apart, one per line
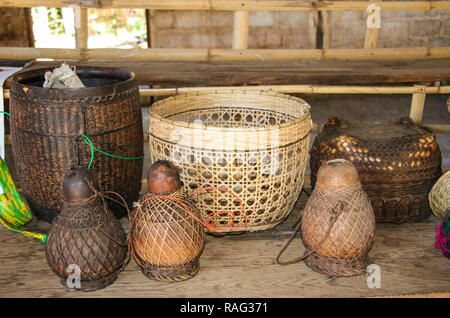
55 21
131 20
102 21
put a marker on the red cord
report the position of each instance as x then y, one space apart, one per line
209 223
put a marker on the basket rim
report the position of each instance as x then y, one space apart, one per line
196 126
72 92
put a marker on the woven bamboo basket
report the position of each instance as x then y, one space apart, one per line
439 196
253 144
46 125
398 163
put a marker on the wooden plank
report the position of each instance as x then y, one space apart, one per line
244 266
206 54
234 5
173 74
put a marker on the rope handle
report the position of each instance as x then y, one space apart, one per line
333 219
93 148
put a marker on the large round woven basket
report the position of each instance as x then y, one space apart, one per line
47 123
439 196
398 162
251 143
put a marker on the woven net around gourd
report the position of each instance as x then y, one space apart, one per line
338 230
166 237
439 196
352 235
253 144
91 238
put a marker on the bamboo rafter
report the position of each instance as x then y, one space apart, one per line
157 54
233 5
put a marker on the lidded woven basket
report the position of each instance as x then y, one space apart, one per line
439 196
398 163
254 144
166 235
47 123
338 222
86 234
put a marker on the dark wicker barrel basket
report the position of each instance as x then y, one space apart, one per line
398 163
47 123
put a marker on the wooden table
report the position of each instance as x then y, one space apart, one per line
244 266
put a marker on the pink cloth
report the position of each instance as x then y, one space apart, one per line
441 241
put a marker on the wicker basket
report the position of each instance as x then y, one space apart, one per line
448 104
251 143
398 163
167 241
439 196
337 224
46 124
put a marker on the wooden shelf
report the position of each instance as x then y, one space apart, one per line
237 73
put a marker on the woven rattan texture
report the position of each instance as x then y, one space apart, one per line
44 131
90 237
167 240
398 163
251 143
439 196
353 233
337 267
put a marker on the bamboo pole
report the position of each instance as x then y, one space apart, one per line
438 129
240 30
372 26
326 30
417 104
297 89
304 89
233 5
81 27
157 54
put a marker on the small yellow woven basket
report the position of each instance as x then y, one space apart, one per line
252 143
439 196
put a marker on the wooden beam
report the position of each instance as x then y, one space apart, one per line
233 5
155 54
